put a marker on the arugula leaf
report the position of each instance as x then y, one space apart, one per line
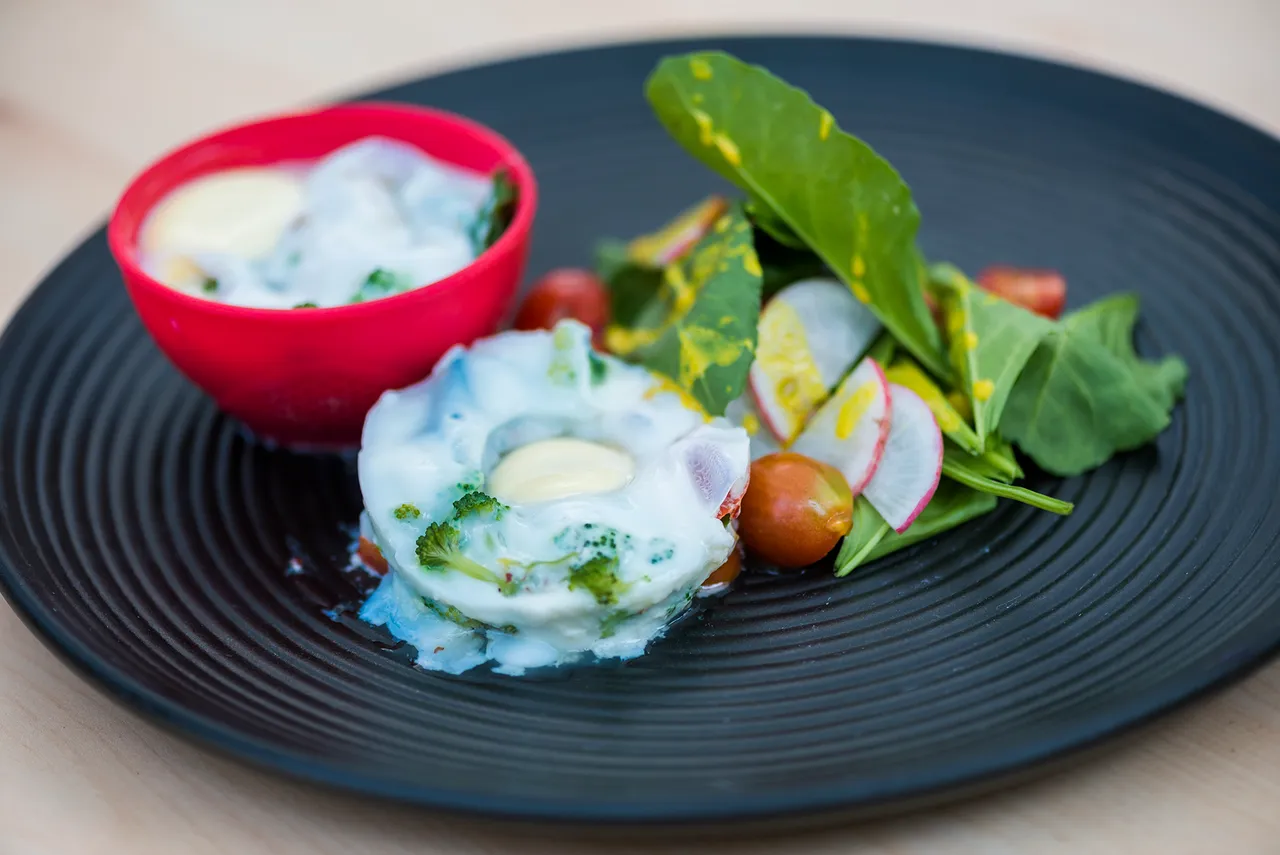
990 341
964 469
1085 394
905 372
701 329
869 528
829 188
952 504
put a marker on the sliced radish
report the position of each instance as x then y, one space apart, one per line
849 431
809 335
912 463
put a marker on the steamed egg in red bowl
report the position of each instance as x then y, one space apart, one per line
298 266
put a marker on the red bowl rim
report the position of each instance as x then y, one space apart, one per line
125 250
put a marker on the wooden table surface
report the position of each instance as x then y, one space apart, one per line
90 90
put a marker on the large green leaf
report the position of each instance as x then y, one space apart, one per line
700 330
1085 394
800 169
989 340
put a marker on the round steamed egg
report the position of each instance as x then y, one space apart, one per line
536 502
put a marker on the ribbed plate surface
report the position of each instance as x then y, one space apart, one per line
148 542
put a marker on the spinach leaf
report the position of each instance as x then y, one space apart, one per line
632 271
952 504
1085 394
783 265
905 372
964 469
990 341
869 528
497 213
700 331
829 188
632 286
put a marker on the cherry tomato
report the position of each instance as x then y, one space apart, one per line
728 571
1041 291
372 556
568 292
795 511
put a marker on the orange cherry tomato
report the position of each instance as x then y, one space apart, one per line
795 511
1041 291
372 556
728 571
568 292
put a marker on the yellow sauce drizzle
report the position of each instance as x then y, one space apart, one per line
852 410
701 68
983 389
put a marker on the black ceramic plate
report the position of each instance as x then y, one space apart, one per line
148 542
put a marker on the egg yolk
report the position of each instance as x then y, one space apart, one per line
241 212
558 468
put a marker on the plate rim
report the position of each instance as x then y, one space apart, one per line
1073 738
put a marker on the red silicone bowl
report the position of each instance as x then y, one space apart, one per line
307 377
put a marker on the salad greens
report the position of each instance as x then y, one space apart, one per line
829 188
1067 393
1085 394
700 329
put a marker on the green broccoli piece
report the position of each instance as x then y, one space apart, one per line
380 283
407 512
599 575
476 502
599 368
440 550
306 306
209 285
453 615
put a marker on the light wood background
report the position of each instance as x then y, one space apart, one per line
91 90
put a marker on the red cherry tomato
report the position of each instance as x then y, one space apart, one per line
372 556
568 292
1041 291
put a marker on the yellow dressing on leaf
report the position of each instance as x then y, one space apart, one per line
824 125
983 389
705 130
970 339
961 404
907 374
859 266
701 348
666 386
728 149
860 291
627 340
751 424
700 68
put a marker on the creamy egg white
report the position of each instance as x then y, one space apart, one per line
538 502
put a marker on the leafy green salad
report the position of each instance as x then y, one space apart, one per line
695 300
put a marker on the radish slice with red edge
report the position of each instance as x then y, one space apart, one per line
850 430
909 471
810 333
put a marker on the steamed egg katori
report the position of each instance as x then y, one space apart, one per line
537 502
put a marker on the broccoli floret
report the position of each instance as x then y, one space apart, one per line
476 502
609 623
453 615
209 285
407 512
306 306
440 550
599 368
599 575
379 283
